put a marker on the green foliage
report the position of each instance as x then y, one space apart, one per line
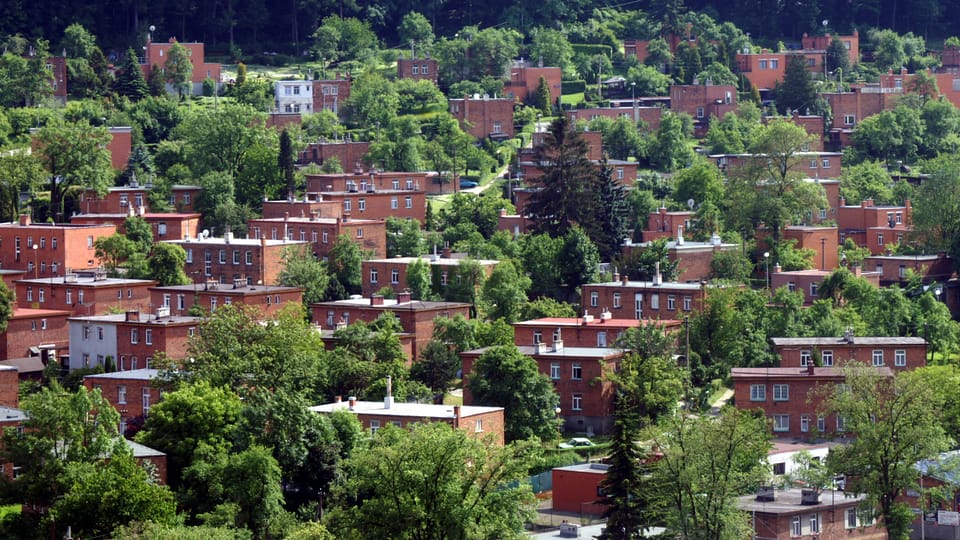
552 48
7 300
868 180
837 55
897 420
166 264
670 151
936 219
345 263
219 139
730 265
649 80
437 366
344 39
505 377
373 101
797 92
302 269
416 30
400 487
505 292
715 459
178 67
73 154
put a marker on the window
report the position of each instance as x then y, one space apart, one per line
594 299
70 296
249 258
687 303
53 243
877 358
347 205
577 373
43 324
699 112
774 63
148 336
781 422
416 69
900 358
80 297
601 339
497 127
826 358
395 183
823 213
577 402
538 338
796 529
424 69
29 294
814 287
121 394
851 518
134 335
89 242
813 163
146 400
236 256
781 392
616 300
805 358
359 232
554 367
763 64
654 301
408 202
373 275
841 424
478 425
821 424
780 468
880 239
620 173
758 392
814 523
361 204
898 83
849 119
119 294
898 219
791 286
181 302
99 333
394 203
394 276
671 302
903 271
374 426
804 423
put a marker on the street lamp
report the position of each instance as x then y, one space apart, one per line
36 249
766 265
633 99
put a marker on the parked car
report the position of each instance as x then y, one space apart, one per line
467 184
577 442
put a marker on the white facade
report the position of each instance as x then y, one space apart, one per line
294 96
92 340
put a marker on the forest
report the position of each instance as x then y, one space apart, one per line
229 27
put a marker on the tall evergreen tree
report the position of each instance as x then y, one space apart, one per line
622 485
286 163
569 182
797 92
613 213
130 81
542 97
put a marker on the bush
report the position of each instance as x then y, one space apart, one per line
209 87
573 87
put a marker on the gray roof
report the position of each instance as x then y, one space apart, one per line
414 410
10 414
651 285
788 502
841 341
141 451
599 468
134 374
944 467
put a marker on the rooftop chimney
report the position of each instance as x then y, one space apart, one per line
657 277
715 239
616 275
680 235
133 315
388 399
352 402
376 300
24 220
403 297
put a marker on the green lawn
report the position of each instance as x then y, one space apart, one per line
571 99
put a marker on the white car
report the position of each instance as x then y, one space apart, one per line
576 442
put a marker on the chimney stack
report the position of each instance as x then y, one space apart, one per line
24 220
388 399
680 235
352 402
403 297
657 278
376 300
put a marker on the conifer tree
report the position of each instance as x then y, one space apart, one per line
130 81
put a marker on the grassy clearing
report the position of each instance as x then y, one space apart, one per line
572 99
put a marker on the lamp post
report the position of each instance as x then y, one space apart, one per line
766 266
633 100
36 249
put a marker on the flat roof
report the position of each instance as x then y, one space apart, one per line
781 446
319 220
841 341
225 288
85 281
439 261
788 501
238 242
599 353
144 374
413 410
597 468
597 322
391 303
650 285
781 372
28 364
30 313
148 215
144 318
11 414
907 257
686 245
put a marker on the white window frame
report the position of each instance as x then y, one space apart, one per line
576 371
554 368
826 358
900 358
806 357
758 392
781 392
594 299
804 423
576 402
781 423
876 357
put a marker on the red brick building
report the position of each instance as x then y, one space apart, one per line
849 108
381 204
577 373
418 69
84 293
645 299
9 387
61 248
765 69
822 240
484 116
10 277
525 79
897 353
135 197
822 43
907 83
131 393
809 514
831 189
694 259
873 227
164 226
587 331
267 299
813 124
807 282
893 268
479 422
331 94
347 152
183 198
130 340
157 54
576 488
322 233
415 317
664 224
359 183
312 204
31 330
255 261
650 116
121 142
791 397
809 164
379 273
703 101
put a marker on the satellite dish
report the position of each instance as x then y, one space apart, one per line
691 203
206 233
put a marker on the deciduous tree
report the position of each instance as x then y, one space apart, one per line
73 154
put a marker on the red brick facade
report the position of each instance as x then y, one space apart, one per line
896 353
157 53
379 273
650 116
873 227
484 117
228 259
809 164
268 300
587 331
418 69
31 328
132 393
61 249
84 294
784 516
525 80
348 153
576 489
164 226
331 94
702 102
893 268
322 233
644 299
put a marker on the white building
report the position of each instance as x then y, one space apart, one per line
92 340
294 96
